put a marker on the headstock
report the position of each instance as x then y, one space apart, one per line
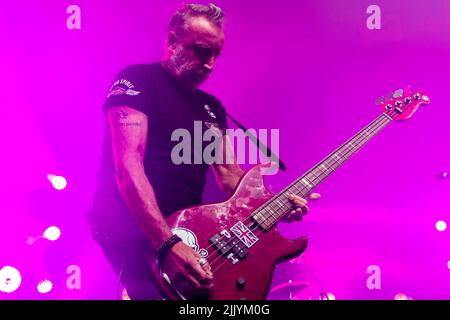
404 103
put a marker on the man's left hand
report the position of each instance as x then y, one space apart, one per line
300 209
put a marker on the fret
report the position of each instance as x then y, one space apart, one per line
310 181
281 203
315 176
306 183
268 217
266 223
303 189
361 141
259 214
342 155
258 217
336 158
265 218
366 138
297 190
278 205
270 210
273 208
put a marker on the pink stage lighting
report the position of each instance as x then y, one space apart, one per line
58 182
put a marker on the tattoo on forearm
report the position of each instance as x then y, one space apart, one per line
120 118
128 124
120 115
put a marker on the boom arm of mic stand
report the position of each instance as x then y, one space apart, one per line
258 143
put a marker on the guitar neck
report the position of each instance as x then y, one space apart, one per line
279 205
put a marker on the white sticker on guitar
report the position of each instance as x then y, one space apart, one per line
190 239
244 234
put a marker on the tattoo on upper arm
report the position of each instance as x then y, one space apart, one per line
120 120
121 114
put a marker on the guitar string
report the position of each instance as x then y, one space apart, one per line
281 203
216 268
374 124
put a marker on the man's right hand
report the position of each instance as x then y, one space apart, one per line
182 265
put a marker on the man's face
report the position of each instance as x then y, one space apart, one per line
192 55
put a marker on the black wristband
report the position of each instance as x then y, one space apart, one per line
162 251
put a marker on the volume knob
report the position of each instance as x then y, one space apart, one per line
240 283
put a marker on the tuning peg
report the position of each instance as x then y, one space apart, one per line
397 93
380 101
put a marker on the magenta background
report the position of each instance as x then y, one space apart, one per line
310 68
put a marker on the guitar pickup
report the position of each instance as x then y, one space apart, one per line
239 249
220 245
225 247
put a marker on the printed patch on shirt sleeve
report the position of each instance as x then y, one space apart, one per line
123 86
131 92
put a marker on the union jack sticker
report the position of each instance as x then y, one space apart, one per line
244 234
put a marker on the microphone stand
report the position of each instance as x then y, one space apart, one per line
258 143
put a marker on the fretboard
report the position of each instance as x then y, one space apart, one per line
273 210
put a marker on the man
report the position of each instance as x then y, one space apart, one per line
138 183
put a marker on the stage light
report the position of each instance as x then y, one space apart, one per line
442 175
326 296
448 264
331 296
401 296
45 286
52 233
58 182
125 295
441 225
10 279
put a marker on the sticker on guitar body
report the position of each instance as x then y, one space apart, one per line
190 239
244 234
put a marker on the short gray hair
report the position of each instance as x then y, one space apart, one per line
211 12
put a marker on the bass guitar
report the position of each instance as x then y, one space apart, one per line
239 237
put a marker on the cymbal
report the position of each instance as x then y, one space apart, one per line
289 288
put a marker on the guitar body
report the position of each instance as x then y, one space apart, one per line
248 278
